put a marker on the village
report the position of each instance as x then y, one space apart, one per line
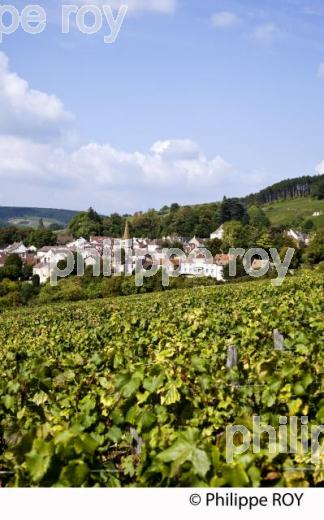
194 262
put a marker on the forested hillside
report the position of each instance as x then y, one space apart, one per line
289 189
29 217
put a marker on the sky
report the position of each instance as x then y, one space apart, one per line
195 99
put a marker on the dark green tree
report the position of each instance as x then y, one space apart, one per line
233 209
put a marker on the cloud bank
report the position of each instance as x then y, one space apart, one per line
39 167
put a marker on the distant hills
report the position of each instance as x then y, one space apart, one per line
300 197
30 217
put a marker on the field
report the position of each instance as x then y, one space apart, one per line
137 391
284 211
33 222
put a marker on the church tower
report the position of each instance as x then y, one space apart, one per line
127 241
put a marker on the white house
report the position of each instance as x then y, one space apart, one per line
153 246
200 267
219 233
18 248
46 257
80 243
43 271
299 237
195 243
48 254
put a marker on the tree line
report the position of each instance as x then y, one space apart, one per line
307 186
174 220
29 236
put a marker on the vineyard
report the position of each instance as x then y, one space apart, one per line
138 391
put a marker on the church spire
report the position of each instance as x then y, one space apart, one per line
126 232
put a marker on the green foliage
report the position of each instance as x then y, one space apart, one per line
12 269
295 212
257 217
286 189
35 237
22 217
136 391
215 246
85 224
14 260
233 235
233 209
308 226
315 250
317 190
180 221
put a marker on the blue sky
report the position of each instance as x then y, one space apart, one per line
195 100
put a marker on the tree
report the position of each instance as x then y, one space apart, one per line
27 272
265 240
308 226
317 190
315 250
183 222
257 217
145 224
214 246
41 237
172 244
233 235
85 224
240 271
206 222
174 207
12 268
113 226
233 209
41 224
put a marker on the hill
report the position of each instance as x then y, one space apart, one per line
289 203
298 187
291 211
29 217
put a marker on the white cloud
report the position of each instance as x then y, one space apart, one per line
320 70
320 168
224 19
265 34
168 170
50 172
167 164
26 111
176 149
136 6
23 160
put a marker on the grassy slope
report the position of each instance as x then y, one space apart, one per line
284 211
